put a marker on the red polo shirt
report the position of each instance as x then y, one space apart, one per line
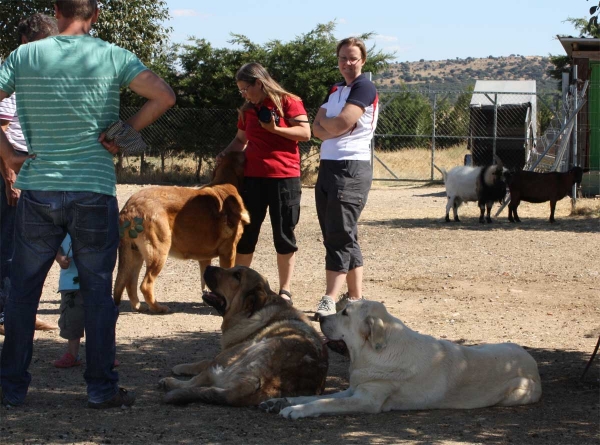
269 155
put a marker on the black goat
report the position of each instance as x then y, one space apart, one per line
541 187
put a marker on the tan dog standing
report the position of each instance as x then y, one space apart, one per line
181 222
395 368
269 348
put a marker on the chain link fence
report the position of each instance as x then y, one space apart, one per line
419 128
195 135
416 129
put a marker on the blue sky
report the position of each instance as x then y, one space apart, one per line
430 30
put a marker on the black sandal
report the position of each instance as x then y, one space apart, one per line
283 292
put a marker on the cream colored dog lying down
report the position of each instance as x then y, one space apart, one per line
395 368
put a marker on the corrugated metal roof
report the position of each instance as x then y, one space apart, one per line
503 86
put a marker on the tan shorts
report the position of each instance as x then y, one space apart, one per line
71 321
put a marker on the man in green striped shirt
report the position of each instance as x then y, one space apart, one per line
67 94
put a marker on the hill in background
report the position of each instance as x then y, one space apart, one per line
459 74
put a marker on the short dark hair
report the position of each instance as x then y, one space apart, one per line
37 27
77 9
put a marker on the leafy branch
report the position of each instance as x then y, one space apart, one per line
592 26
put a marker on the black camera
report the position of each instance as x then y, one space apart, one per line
266 115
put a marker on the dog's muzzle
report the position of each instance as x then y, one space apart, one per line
215 300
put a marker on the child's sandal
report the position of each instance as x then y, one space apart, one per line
67 361
287 296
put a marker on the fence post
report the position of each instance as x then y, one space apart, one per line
495 127
433 133
574 137
565 96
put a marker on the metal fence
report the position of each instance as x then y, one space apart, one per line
419 128
416 129
194 132
198 134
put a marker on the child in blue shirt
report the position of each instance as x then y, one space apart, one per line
71 321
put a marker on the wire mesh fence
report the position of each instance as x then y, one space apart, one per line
190 131
416 129
419 128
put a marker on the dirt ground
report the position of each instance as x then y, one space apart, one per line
534 284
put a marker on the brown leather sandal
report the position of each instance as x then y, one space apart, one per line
284 293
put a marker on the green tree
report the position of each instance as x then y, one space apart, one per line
584 27
207 75
306 65
136 25
404 113
592 26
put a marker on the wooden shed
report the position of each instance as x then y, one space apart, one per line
585 55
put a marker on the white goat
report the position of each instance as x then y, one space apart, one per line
482 184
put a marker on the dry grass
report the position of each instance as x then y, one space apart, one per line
415 163
590 208
412 164
409 164
178 170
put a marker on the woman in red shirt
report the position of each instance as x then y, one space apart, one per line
271 123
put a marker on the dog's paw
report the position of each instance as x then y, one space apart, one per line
182 369
274 405
292 412
164 383
159 309
176 370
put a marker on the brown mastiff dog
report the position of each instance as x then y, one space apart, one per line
181 222
269 349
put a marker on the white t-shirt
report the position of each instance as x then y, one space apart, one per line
14 134
355 144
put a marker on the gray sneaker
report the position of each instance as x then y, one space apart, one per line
343 302
326 307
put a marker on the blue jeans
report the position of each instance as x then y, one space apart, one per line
43 219
7 227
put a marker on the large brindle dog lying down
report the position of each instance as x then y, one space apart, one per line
395 368
269 348
181 222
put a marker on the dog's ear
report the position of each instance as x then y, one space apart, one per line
255 299
375 333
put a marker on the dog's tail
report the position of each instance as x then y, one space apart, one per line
442 171
233 206
128 272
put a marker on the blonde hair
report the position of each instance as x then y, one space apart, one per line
253 71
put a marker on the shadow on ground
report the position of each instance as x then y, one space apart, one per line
576 225
55 410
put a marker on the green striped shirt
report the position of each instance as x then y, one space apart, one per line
67 94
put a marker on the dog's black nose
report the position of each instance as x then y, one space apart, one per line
210 271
